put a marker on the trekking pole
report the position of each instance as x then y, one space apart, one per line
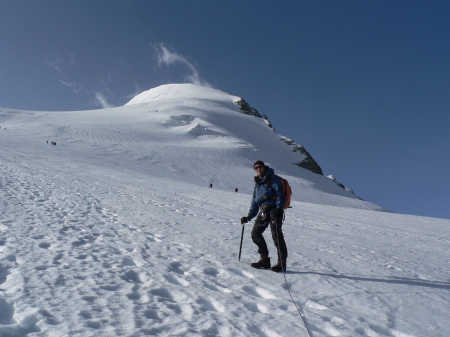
240 247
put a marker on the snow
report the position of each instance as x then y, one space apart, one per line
185 91
114 232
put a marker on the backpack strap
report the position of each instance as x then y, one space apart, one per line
270 185
268 180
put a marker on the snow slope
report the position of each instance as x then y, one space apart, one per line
114 232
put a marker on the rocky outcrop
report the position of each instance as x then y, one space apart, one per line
306 162
247 109
342 186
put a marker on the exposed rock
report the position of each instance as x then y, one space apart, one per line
342 186
306 162
247 109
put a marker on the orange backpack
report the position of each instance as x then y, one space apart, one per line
287 191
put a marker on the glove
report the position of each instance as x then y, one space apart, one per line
244 220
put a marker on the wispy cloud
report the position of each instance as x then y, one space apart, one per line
55 63
74 85
169 58
62 64
58 63
101 100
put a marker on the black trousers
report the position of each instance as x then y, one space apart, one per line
268 216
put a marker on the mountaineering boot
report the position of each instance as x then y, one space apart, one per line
263 263
280 266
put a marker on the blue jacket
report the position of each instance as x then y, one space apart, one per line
263 193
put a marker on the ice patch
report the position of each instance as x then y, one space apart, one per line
202 130
179 120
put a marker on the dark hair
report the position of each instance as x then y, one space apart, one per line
259 162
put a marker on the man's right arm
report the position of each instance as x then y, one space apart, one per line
253 211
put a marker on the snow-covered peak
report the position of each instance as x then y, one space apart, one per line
201 132
170 91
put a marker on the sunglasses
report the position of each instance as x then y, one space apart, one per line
257 167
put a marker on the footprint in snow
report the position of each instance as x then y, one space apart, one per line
315 305
89 298
44 245
57 258
218 288
49 318
175 267
161 293
176 280
131 277
85 314
260 292
211 304
211 271
134 295
94 324
152 314
128 261
3 274
7 312
256 307
242 273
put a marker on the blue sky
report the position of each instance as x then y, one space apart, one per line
363 85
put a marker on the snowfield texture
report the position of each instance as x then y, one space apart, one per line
115 232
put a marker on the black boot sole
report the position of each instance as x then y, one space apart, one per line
259 267
277 270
